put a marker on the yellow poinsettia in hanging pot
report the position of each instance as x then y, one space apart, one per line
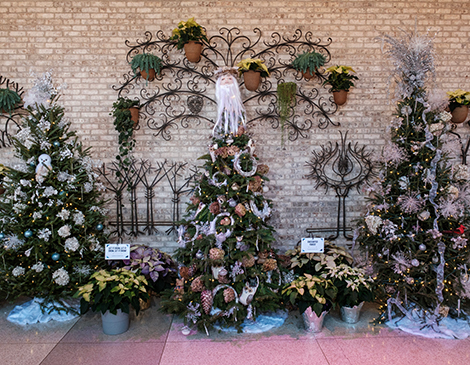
459 100
189 35
340 79
252 70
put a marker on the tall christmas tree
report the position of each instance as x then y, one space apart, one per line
229 271
51 215
414 232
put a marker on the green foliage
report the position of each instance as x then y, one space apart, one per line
285 101
188 31
113 290
145 62
308 61
124 125
340 78
61 209
9 99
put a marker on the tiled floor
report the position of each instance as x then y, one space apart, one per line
155 338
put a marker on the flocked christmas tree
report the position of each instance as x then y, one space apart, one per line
414 232
228 269
51 215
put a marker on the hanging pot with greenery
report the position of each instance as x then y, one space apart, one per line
9 99
125 124
146 65
308 63
285 101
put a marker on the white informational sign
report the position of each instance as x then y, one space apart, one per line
117 251
312 245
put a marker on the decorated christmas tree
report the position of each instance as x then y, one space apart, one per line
51 215
414 233
228 269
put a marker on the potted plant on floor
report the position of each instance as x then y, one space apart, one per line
314 296
340 79
113 292
158 268
252 70
354 288
9 99
146 65
308 63
459 101
189 35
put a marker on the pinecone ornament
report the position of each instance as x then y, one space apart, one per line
240 210
270 264
216 254
192 270
184 272
197 285
248 261
229 295
206 301
262 169
214 208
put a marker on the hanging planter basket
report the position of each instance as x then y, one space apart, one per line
252 80
459 114
134 116
340 97
193 51
151 74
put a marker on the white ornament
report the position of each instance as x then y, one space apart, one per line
43 167
248 292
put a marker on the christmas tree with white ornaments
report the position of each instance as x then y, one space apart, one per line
414 234
51 214
229 270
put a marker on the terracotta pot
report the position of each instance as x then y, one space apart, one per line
459 114
152 74
135 115
252 79
193 50
307 75
340 97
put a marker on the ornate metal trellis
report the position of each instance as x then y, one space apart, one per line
341 167
144 174
183 87
9 121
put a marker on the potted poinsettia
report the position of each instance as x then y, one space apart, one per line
341 79
252 70
354 288
189 35
113 292
314 295
459 100
146 65
308 63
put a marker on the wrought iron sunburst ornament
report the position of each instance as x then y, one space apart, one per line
341 167
183 90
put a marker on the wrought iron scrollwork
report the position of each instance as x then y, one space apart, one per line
180 93
341 167
9 121
147 176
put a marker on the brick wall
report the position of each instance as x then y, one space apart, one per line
84 43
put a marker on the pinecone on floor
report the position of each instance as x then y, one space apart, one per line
206 301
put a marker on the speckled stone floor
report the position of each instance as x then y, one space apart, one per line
155 338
